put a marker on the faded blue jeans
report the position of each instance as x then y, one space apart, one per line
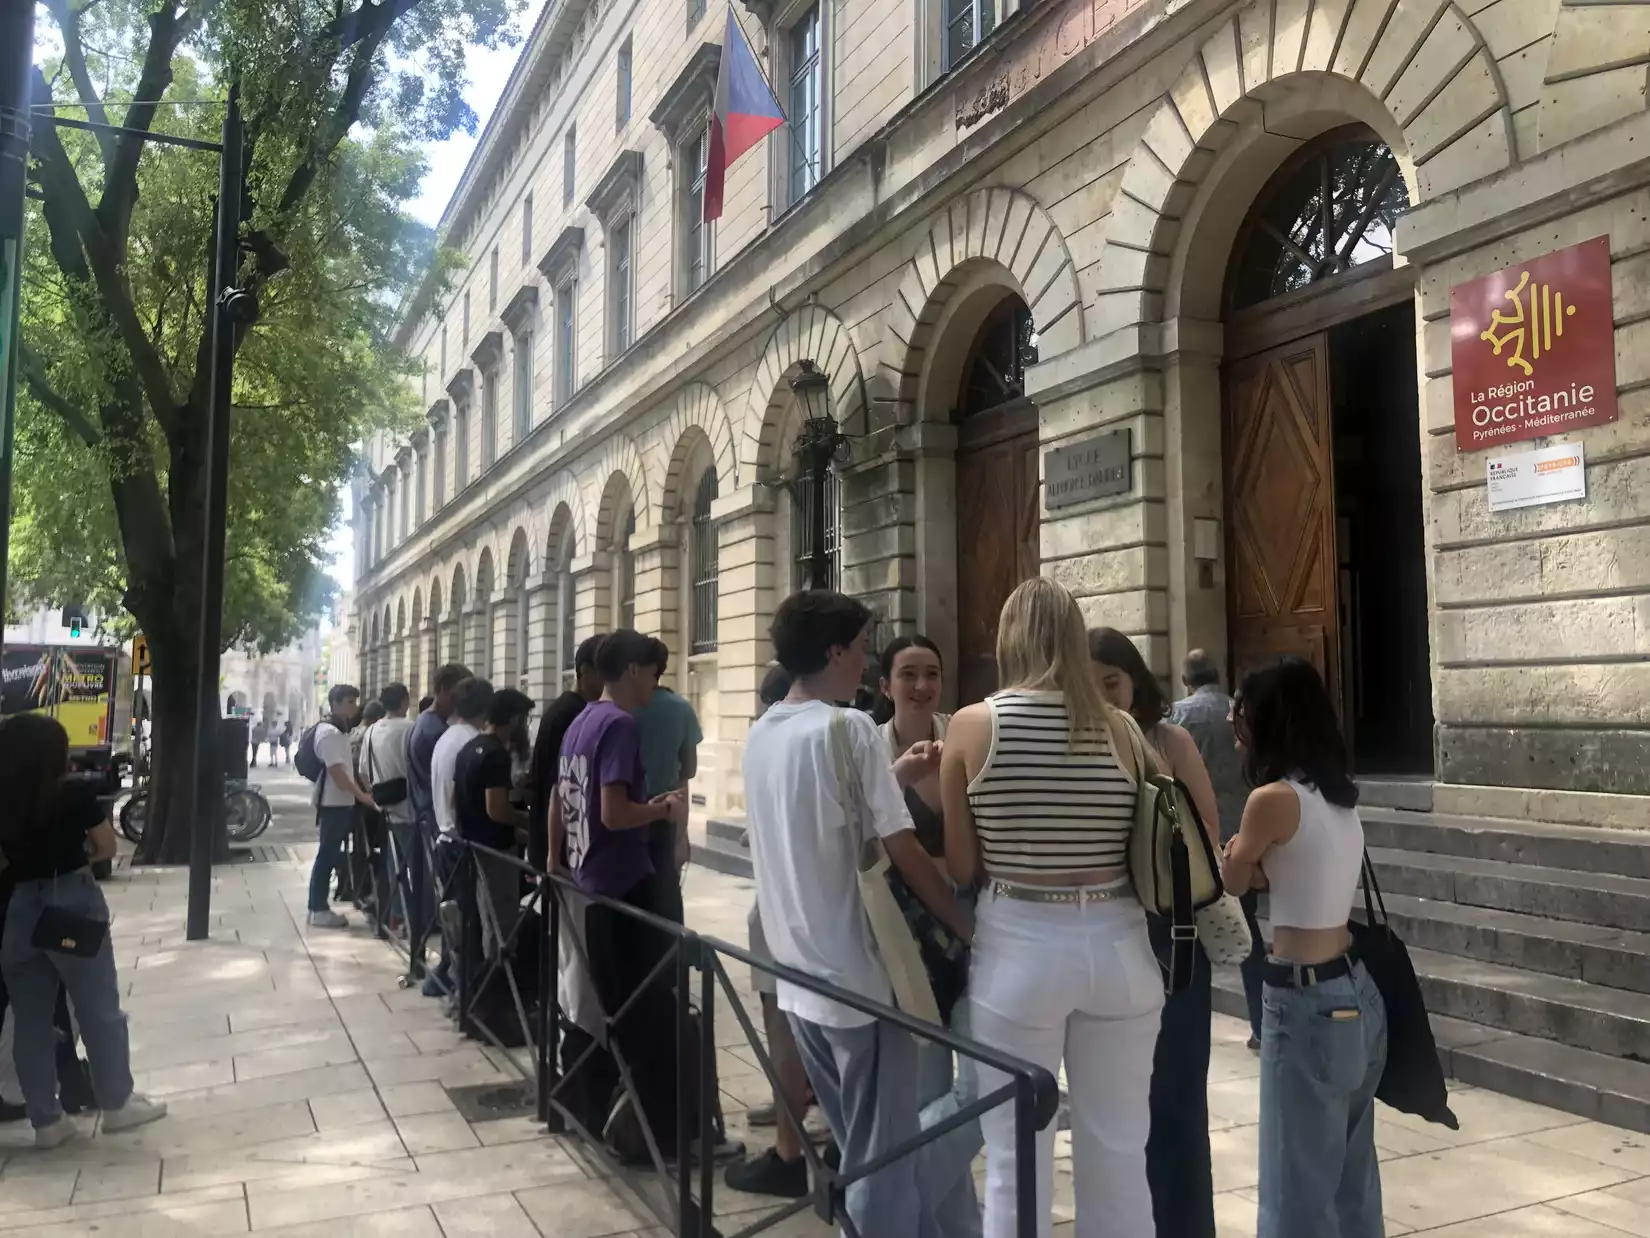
335 827
944 1089
1322 1051
33 976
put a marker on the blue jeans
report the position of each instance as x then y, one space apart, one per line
335 827
865 1082
32 978
1322 1052
942 1091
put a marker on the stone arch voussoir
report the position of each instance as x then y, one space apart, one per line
1428 84
809 333
1000 225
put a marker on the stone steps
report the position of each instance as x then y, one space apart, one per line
1600 898
724 850
1597 954
1593 1085
1624 853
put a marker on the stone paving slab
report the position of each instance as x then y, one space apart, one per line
309 1100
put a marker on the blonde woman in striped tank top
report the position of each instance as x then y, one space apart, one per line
1038 808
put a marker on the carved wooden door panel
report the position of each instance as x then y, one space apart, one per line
997 548
1280 509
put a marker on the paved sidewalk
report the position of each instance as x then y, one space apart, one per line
309 1100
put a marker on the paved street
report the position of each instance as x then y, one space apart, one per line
310 1098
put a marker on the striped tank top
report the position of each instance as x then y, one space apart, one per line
1042 804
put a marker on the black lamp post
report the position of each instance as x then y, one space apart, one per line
818 446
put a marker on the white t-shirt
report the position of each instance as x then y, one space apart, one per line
332 747
384 756
807 859
442 763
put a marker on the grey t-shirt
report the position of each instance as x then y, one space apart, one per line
1204 715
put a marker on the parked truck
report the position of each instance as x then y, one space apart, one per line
89 690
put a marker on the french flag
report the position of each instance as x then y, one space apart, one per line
745 112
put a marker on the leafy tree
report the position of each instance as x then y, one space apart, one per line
115 359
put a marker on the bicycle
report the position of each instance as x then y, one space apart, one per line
247 813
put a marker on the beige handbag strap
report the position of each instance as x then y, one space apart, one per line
847 775
1140 764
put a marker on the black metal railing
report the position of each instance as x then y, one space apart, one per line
548 913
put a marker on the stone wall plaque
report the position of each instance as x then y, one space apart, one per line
1090 468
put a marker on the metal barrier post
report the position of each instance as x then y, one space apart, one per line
685 1066
1025 1155
418 895
469 934
549 1037
707 1089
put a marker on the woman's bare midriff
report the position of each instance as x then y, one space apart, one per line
1299 945
1086 877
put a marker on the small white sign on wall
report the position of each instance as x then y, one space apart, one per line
1553 474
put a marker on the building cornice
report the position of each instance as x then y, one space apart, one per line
617 193
462 385
562 254
489 350
438 413
688 97
519 309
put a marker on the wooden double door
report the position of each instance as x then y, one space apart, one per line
1280 504
997 533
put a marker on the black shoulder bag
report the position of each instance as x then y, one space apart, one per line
391 791
1413 1081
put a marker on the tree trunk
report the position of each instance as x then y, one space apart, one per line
176 711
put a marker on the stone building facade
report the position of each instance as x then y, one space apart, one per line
1000 231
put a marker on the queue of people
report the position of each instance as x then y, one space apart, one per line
1005 830
1010 823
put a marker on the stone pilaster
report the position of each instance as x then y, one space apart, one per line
541 642
507 668
745 603
592 593
658 556
478 640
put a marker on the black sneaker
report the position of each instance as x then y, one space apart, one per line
769 1174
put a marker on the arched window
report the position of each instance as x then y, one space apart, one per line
996 373
704 565
1331 207
803 514
566 602
624 576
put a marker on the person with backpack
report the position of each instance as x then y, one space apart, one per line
324 758
286 744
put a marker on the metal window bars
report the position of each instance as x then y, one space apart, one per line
666 1186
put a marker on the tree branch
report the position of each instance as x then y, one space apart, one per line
74 56
120 188
371 27
40 387
86 255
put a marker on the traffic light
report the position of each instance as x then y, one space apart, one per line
74 618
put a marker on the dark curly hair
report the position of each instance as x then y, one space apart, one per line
1290 730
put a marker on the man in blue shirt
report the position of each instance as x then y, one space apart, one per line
670 758
429 728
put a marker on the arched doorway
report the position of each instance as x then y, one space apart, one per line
1325 543
997 481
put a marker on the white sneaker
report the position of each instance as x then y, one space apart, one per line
327 919
64 1130
138 1110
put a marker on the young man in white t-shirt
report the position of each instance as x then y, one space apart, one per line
337 796
806 855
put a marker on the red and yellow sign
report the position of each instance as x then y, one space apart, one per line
1533 348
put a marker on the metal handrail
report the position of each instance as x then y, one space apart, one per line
1031 1089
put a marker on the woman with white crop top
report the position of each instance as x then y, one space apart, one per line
1323 1039
1038 810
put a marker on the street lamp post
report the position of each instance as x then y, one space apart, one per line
818 446
16 57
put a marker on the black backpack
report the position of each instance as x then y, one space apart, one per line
305 761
